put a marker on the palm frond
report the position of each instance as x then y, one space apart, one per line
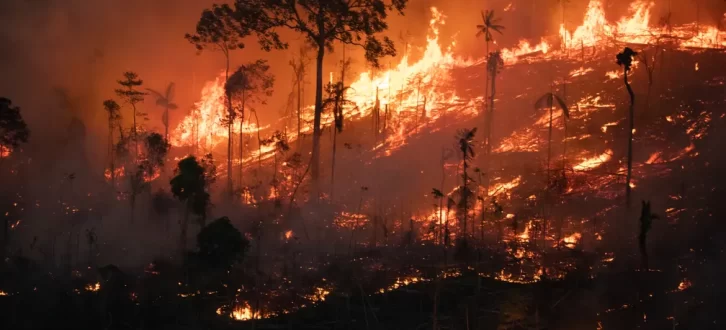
156 94
170 91
548 100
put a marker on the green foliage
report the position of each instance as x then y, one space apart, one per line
220 244
13 129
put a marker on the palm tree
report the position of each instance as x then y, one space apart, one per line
494 64
165 101
489 24
465 143
114 115
548 100
625 59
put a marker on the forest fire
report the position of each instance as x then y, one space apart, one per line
435 173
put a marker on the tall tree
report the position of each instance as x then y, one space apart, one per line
217 30
248 86
280 146
165 101
489 24
13 129
299 66
131 95
625 59
148 168
494 64
114 116
439 196
190 187
465 144
336 102
323 22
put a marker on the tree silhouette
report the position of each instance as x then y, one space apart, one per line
130 94
336 102
489 24
250 84
646 221
165 101
13 129
549 101
439 196
494 64
217 30
352 22
465 144
625 59
189 186
157 147
114 116
220 244
299 67
281 146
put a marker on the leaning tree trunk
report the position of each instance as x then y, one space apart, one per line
631 116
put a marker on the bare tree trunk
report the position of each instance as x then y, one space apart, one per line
332 171
630 140
136 137
316 122
230 118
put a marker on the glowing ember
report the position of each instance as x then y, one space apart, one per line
119 172
572 239
594 162
3 293
604 128
685 284
93 287
288 234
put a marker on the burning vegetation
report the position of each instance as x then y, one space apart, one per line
429 190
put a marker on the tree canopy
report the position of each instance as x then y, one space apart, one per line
13 129
220 244
322 22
